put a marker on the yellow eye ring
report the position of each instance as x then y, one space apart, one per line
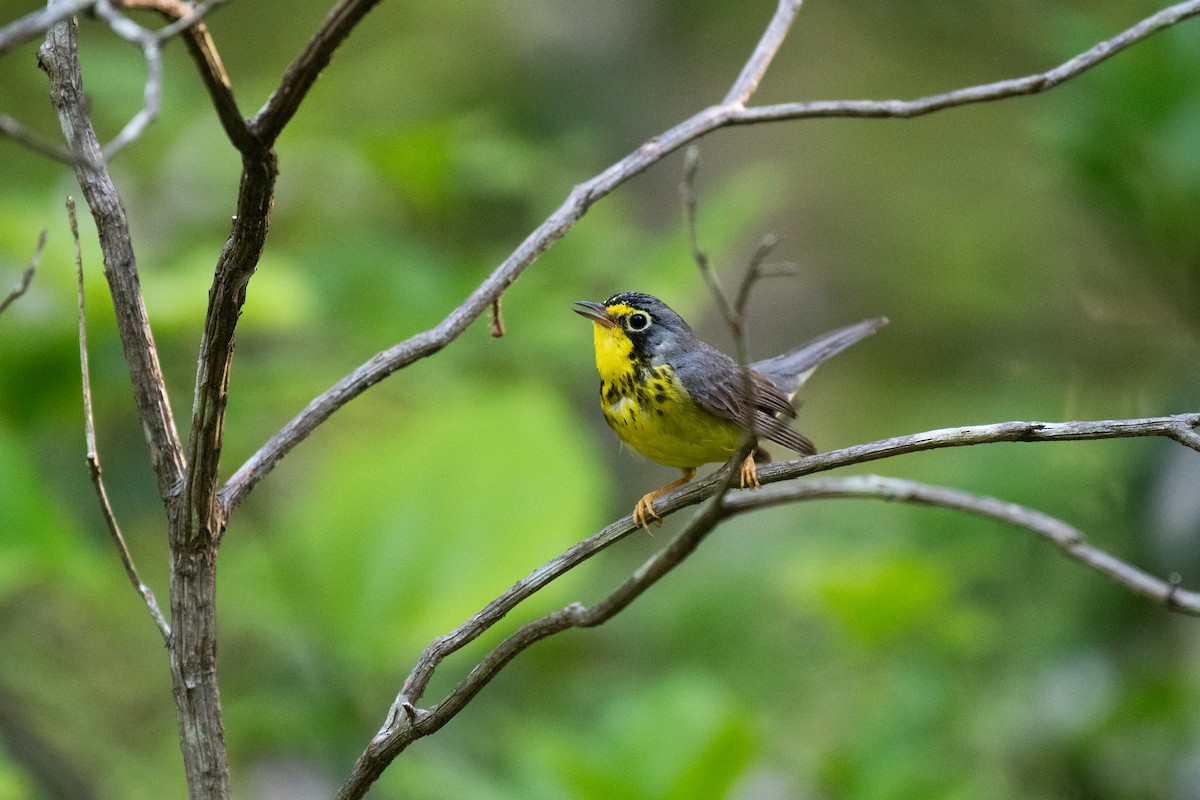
637 321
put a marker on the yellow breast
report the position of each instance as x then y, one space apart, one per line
650 410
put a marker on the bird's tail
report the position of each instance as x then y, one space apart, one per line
790 370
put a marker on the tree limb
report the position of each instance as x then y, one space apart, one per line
768 45
405 723
192 644
208 62
93 456
35 24
1030 84
305 70
580 199
59 58
238 260
131 32
699 490
39 144
27 276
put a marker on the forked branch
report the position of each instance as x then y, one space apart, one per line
405 722
999 90
38 23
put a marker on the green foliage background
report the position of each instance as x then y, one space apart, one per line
1039 259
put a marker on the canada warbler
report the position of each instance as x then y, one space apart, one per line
682 402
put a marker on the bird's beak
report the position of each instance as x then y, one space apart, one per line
595 312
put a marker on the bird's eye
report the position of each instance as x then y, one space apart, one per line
638 321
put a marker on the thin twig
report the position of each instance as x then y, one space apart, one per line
208 62
192 17
60 59
39 144
690 199
27 276
93 456
756 66
755 271
150 44
734 313
304 71
35 24
1014 87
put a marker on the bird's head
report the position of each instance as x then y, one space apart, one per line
634 325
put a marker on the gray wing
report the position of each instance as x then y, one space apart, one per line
714 380
790 370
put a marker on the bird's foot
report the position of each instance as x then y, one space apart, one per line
749 473
644 510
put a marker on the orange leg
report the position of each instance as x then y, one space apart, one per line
645 507
750 473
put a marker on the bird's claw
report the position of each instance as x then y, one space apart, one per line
749 474
644 510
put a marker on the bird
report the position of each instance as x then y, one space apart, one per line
683 403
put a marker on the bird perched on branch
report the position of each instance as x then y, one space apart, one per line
683 403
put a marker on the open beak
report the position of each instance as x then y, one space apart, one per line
595 312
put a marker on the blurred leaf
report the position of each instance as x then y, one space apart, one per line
680 738
411 524
887 600
37 541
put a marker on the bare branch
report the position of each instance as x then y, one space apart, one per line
59 58
130 31
781 471
585 194
27 276
405 723
689 197
93 457
204 53
1030 84
14 130
755 271
1066 537
787 470
189 19
38 23
772 38
305 70
35 24
1186 435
